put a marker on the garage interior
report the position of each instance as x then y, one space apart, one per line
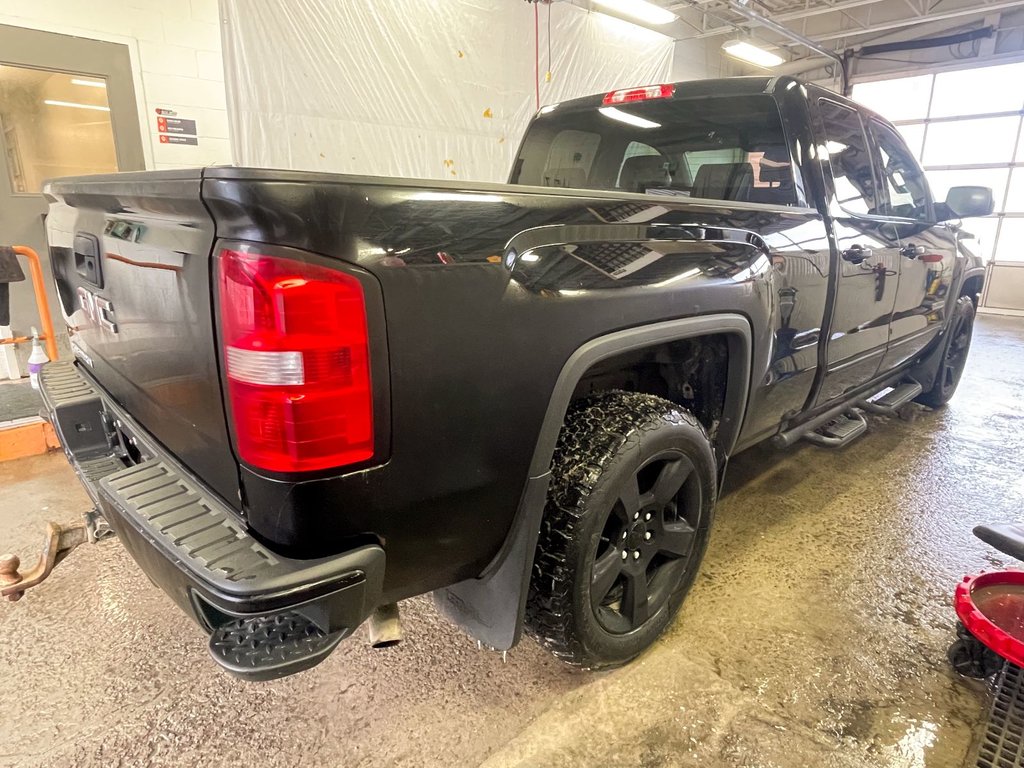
817 630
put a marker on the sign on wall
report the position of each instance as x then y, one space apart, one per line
174 129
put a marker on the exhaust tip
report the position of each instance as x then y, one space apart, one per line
385 626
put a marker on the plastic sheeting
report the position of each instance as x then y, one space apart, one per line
409 88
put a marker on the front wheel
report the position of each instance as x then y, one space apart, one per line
954 355
625 527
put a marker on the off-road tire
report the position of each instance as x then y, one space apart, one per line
604 440
955 348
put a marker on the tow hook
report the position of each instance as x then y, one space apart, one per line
61 538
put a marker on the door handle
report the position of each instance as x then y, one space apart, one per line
857 253
912 251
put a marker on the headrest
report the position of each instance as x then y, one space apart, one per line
776 166
643 171
723 181
575 178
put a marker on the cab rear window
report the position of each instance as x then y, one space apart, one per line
712 148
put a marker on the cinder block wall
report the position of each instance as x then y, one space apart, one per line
175 47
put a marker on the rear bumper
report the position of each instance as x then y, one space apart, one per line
189 543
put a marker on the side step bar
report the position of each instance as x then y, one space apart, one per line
843 429
840 425
890 403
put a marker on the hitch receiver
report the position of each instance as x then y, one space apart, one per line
60 540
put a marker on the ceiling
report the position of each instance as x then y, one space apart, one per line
837 24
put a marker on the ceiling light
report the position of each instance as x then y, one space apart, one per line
750 53
641 10
625 117
89 83
76 105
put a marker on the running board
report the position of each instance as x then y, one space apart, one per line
890 403
845 422
843 429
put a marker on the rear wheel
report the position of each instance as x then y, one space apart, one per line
954 355
625 527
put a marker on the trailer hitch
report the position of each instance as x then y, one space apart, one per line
61 539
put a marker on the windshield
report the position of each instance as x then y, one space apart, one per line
719 148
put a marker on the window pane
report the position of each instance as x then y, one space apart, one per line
902 178
54 124
849 157
913 134
703 147
1015 200
569 158
984 231
994 178
902 99
966 142
979 91
1011 241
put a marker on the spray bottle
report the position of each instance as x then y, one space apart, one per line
36 360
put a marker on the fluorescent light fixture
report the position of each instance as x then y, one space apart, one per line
625 117
76 105
89 83
460 197
641 10
751 54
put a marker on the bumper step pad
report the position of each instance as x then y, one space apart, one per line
268 647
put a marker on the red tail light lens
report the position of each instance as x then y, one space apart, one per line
296 355
628 95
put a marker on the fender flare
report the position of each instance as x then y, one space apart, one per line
491 606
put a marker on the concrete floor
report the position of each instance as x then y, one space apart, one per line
815 636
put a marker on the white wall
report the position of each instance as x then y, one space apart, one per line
176 59
698 60
439 89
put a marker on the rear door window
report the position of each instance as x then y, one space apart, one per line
850 158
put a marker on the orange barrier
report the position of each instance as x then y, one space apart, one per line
42 303
27 440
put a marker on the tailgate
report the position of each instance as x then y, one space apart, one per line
131 259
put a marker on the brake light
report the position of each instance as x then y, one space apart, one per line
296 356
640 94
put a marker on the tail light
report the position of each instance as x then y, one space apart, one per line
628 95
296 355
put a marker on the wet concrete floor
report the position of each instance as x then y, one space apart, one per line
815 636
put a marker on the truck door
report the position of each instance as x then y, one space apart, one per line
927 249
867 245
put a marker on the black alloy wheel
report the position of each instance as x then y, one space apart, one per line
955 349
627 520
649 535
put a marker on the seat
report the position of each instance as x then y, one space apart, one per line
724 181
640 173
574 178
776 170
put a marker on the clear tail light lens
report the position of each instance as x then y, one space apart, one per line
297 361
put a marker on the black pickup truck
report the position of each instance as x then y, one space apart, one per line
299 398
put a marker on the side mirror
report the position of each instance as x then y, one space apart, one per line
968 202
